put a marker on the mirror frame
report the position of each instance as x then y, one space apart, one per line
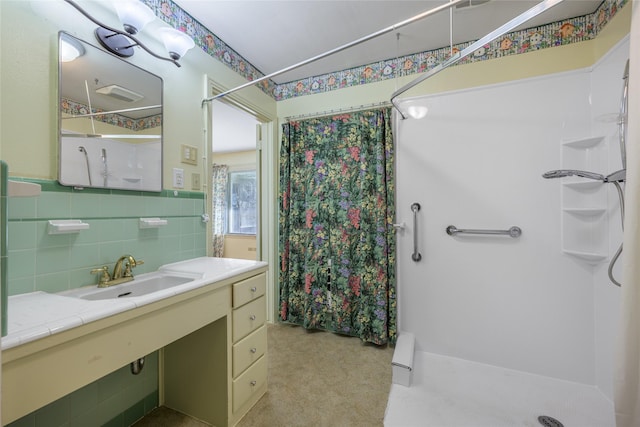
108 57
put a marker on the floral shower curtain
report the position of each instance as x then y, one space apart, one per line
219 200
337 242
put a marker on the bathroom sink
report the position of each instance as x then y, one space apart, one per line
142 285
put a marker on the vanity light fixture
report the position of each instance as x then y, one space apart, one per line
134 15
176 42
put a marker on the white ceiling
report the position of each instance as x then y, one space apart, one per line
274 34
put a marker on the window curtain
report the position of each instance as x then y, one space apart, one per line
219 200
337 241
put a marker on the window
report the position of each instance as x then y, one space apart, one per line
242 203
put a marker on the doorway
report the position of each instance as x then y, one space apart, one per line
234 163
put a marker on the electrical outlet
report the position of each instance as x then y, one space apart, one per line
178 178
195 181
188 154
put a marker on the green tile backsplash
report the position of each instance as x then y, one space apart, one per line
53 263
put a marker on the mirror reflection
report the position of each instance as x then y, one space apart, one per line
110 120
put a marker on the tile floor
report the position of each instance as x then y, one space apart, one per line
315 379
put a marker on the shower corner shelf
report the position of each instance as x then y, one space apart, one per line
585 231
585 212
583 143
592 258
583 185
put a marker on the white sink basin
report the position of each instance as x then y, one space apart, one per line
142 285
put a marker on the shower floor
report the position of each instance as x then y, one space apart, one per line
449 392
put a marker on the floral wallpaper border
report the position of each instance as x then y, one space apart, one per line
559 33
173 15
76 108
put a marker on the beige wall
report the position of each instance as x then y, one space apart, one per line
238 246
237 160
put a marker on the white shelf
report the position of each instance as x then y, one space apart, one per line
586 212
66 226
587 256
583 185
152 223
583 143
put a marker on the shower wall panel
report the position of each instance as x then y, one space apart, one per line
606 91
476 162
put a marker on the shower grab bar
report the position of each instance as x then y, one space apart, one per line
514 231
416 255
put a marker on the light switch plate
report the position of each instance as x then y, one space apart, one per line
195 181
188 154
178 178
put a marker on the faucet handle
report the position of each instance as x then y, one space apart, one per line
104 271
130 265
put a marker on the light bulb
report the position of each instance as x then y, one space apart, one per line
417 111
176 42
70 48
133 14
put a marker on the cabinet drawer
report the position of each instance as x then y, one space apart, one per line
249 383
249 290
248 350
248 318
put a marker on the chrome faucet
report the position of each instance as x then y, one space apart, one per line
120 274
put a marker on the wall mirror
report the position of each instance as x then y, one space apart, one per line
110 120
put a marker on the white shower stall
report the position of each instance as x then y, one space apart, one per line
487 310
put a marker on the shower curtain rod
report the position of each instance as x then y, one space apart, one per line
386 30
515 22
338 111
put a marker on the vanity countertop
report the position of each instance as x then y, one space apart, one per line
35 315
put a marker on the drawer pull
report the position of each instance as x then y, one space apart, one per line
252 317
254 289
253 383
253 350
